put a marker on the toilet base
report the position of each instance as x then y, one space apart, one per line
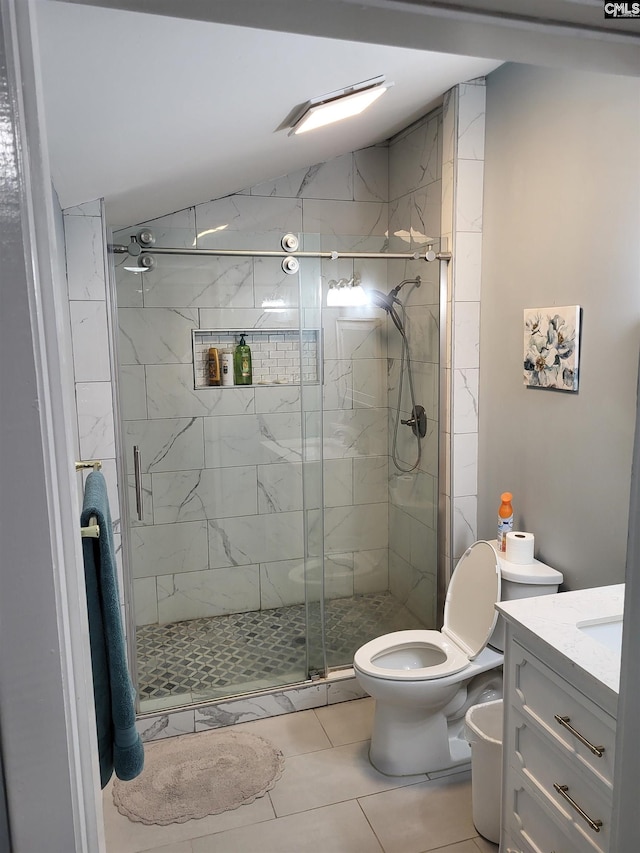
408 740
413 745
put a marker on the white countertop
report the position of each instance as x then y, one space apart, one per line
554 620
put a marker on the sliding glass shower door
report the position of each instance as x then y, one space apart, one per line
226 556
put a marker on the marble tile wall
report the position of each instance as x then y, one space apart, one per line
85 250
462 196
222 468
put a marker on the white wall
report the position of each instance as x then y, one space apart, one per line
561 224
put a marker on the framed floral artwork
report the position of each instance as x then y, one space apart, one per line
551 347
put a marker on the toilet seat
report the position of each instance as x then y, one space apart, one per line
469 619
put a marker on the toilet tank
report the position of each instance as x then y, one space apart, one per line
519 581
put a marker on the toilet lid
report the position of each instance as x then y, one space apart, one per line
474 588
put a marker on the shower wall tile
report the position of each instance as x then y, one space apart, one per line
176 230
282 583
248 214
465 400
370 571
216 592
85 257
333 180
252 439
199 495
338 483
354 527
94 404
355 432
371 174
338 576
468 266
471 121
277 399
280 487
414 158
89 341
156 335
415 589
215 282
371 479
169 444
356 336
465 532
416 495
255 539
465 467
164 549
87 208
170 394
466 329
243 319
369 383
468 212
341 218
145 599
338 384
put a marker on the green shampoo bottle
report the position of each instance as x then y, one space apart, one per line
242 363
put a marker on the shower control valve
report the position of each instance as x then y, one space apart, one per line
417 421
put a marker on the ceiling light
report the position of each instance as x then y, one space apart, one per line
338 105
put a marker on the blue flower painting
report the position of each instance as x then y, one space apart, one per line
551 338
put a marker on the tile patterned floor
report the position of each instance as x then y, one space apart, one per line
328 800
216 656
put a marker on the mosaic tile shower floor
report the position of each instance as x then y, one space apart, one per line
219 656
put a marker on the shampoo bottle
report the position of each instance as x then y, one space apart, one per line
505 520
226 367
242 363
213 365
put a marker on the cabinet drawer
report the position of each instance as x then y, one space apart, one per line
531 829
541 696
542 765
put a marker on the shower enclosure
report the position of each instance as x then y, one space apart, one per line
275 527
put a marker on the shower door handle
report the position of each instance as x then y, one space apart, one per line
137 471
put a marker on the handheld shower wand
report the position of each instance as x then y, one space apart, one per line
418 421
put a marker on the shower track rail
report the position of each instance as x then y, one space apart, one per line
428 255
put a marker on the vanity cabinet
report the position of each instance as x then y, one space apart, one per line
558 755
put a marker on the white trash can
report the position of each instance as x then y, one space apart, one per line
483 730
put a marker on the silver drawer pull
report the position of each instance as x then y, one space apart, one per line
563 790
564 721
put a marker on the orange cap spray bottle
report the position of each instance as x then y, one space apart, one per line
505 520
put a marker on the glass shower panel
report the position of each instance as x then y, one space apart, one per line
219 557
380 522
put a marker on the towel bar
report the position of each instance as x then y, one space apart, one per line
92 531
96 464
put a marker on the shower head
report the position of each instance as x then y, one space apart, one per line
382 300
386 301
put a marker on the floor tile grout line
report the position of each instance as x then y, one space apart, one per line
378 839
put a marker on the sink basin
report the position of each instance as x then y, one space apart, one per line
608 632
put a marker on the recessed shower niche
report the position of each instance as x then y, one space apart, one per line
279 356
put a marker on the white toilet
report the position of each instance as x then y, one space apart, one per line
425 681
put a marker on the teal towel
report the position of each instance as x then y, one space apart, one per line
119 744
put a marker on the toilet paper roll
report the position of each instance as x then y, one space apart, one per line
520 547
